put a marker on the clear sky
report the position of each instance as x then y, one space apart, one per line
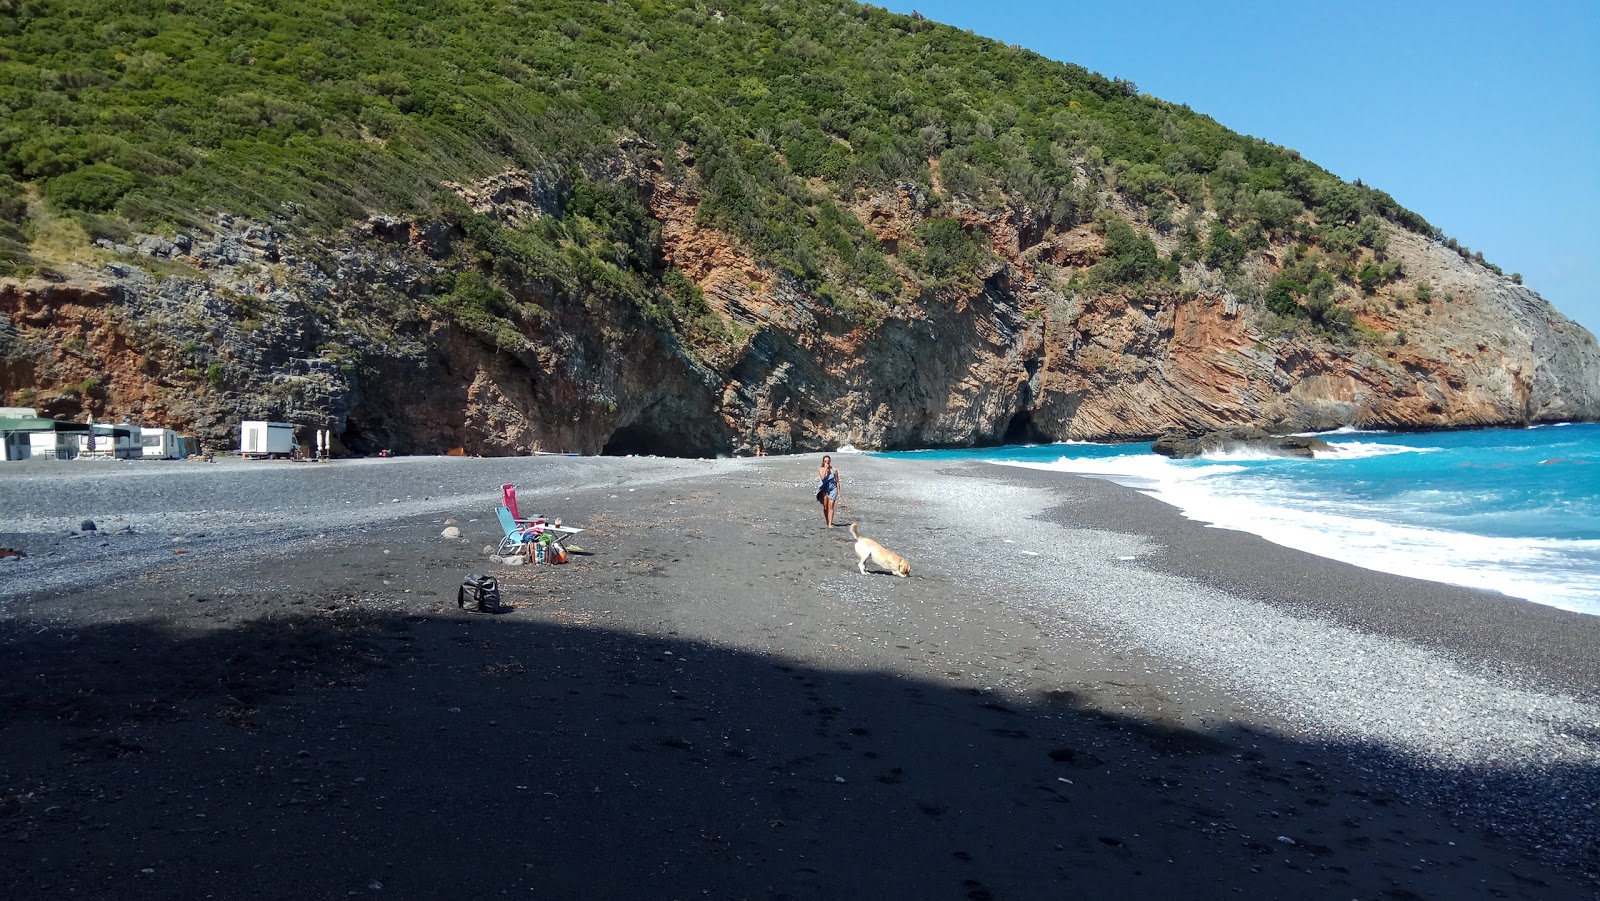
1484 117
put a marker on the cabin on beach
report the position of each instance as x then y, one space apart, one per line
265 440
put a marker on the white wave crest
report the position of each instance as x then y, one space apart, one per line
1555 572
1143 468
1355 450
1243 454
1344 430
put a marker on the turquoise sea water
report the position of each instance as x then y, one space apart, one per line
1509 510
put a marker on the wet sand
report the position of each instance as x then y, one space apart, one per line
713 702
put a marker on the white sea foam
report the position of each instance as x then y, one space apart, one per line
1140 468
1345 430
1240 453
1354 450
1544 570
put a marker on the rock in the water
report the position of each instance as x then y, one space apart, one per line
87 526
1243 438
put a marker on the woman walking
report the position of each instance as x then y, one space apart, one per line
828 488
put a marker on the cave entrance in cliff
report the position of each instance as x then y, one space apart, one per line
646 439
1021 430
354 438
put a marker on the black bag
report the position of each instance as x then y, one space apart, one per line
482 591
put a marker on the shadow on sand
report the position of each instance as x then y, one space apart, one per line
339 751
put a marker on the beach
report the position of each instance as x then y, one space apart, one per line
252 680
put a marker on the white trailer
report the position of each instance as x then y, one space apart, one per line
111 442
268 440
160 444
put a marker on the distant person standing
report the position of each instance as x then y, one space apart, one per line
827 488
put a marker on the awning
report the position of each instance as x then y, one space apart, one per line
40 424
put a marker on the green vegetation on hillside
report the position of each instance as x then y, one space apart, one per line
152 113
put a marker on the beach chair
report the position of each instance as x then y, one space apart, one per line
515 538
518 536
508 497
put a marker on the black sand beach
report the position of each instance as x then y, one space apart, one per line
265 692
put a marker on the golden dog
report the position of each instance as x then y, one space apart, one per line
867 549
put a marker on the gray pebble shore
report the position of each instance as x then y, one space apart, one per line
1487 737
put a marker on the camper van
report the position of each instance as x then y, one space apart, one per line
265 440
161 444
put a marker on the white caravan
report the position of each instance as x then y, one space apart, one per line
161 444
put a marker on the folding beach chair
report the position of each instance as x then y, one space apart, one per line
516 538
508 496
518 535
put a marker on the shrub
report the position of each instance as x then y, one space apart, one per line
1131 257
1282 297
1224 249
948 253
95 188
1369 276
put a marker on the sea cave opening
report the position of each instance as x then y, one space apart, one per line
648 440
1021 430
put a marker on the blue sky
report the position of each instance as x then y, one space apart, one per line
1483 117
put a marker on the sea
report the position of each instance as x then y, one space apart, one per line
1510 510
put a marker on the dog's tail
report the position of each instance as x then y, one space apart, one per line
853 532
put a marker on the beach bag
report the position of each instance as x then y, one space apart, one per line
555 554
482 592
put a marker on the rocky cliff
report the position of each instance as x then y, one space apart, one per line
255 320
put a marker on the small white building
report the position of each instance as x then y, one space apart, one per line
265 440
